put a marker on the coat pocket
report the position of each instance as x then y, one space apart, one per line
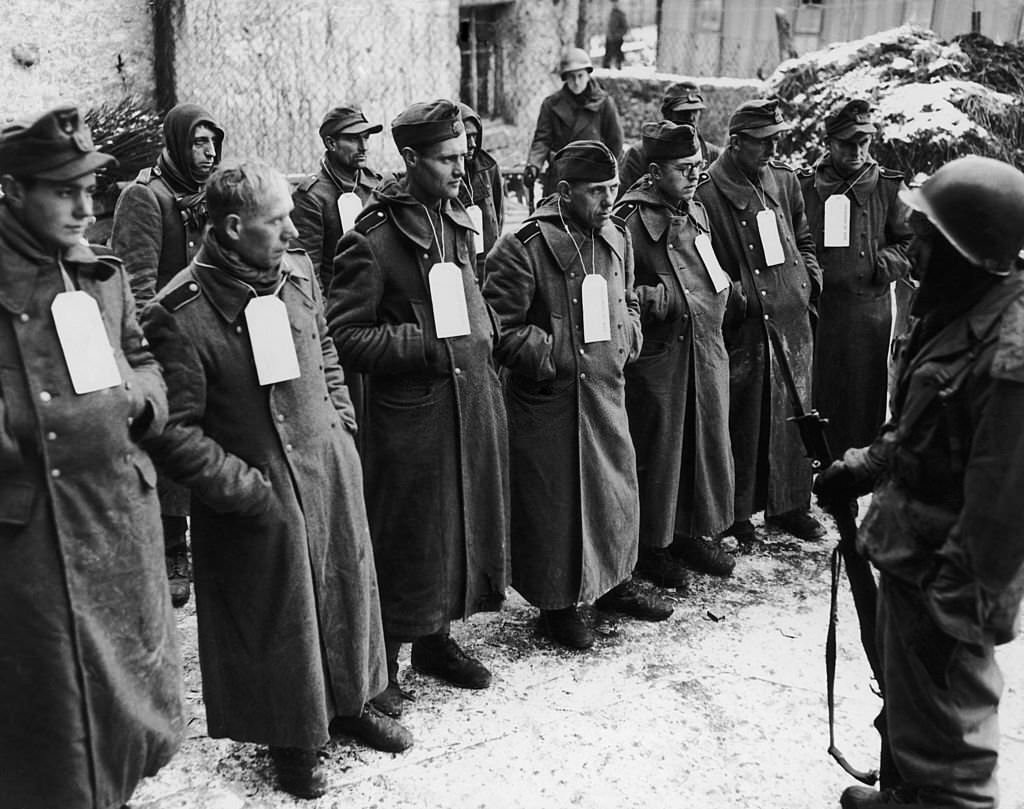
16 499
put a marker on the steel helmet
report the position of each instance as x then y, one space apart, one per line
575 59
977 203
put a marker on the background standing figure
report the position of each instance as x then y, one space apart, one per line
615 33
158 226
482 186
90 675
861 236
575 509
290 640
436 452
677 391
756 213
944 527
580 110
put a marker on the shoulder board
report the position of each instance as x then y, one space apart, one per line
370 220
173 300
700 214
806 171
147 174
890 174
704 178
626 210
307 183
775 164
620 224
1008 361
528 231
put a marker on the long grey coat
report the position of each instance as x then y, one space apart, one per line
289 622
575 507
677 392
436 453
90 675
785 295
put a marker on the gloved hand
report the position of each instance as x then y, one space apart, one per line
530 174
836 483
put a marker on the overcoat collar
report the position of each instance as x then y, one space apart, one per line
366 178
22 258
827 182
410 217
561 244
740 191
657 215
228 295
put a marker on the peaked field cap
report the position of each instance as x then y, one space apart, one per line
759 118
55 146
347 120
575 59
587 161
665 140
854 118
680 96
427 122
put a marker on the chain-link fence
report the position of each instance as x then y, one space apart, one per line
701 54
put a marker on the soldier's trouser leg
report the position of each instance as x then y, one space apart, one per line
942 698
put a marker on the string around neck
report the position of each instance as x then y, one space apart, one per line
593 241
440 219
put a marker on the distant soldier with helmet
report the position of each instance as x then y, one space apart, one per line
580 110
861 237
947 472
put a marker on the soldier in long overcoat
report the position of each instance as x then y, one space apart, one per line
851 348
580 110
482 186
947 471
575 507
677 391
436 456
158 226
90 687
289 622
744 193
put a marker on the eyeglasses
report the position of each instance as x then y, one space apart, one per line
690 171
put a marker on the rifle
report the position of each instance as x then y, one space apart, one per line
858 571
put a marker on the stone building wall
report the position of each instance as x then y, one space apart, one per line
84 52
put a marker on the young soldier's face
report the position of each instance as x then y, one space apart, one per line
437 170
576 81
203 152
55 212
677 179
590 204
262 235
849 154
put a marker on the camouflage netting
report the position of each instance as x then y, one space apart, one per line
935 100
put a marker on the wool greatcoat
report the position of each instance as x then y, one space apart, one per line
286 596
90 675
851 348
436 456
772 471
564 117
575 507
677 392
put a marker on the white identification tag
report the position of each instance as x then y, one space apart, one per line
270 335
349 208
719 277
448 298
768 228
476 216
596 320
84 341
837 221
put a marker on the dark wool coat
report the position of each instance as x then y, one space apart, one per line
485 188
851 349
316 218
772 471
91 675
677 392
575 509
289 623
436 452
564 118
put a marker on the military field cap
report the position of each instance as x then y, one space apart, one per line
668 141
427 122
56 146
680 96
586 160
759 118
852 119
347 121
575 59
